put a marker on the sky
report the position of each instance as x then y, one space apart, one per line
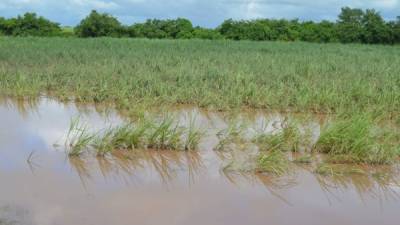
206 13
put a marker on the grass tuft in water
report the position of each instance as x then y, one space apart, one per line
104 143
287 138
234 133
355 139
165 135
274 162
78 138
194 135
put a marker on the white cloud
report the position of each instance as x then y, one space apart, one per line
97 4
202 12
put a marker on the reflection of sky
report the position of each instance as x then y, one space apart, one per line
38 130
62 191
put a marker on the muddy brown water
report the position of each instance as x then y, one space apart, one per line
162 187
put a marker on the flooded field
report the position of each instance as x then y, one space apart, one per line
41 185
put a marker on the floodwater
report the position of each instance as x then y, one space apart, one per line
40 185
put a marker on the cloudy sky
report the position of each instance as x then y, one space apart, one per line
208 13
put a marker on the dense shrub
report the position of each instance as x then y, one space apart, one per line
29 25
172 29
352 26
98 25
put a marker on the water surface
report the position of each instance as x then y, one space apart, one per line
42 186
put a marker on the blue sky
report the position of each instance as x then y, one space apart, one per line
208 13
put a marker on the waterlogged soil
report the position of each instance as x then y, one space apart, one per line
40 185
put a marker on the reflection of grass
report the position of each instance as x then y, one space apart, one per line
338 170
304 159
274 162
379 182
356 139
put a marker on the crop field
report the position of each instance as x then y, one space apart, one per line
220 75
122 123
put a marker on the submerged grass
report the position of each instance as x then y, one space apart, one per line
286 138
274 162
78 138
234 133
165 135
150 133
194 135
356 139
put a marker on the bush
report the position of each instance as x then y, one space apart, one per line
204 33
29 25
99 25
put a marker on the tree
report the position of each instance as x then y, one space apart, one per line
350 25
204 33
375 29
98 25
29 25
395 30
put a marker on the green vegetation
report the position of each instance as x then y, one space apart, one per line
150 133
357 139
194 134
78 138
273 162
352 26
234 133
287 137
29 25
98 25
213 74
303 159
338 170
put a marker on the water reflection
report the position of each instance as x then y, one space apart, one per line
226 176
125 166
381 183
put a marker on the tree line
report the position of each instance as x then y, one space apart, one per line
352 26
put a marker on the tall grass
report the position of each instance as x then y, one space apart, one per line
214 74
287 137
78 138
274 162
165 135
194 134
147 133
358 139
233 133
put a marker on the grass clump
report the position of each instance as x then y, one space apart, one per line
194 135
287 138
103 145
274 162
234 133
165 135
131 135
355 139
78 138
145 133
